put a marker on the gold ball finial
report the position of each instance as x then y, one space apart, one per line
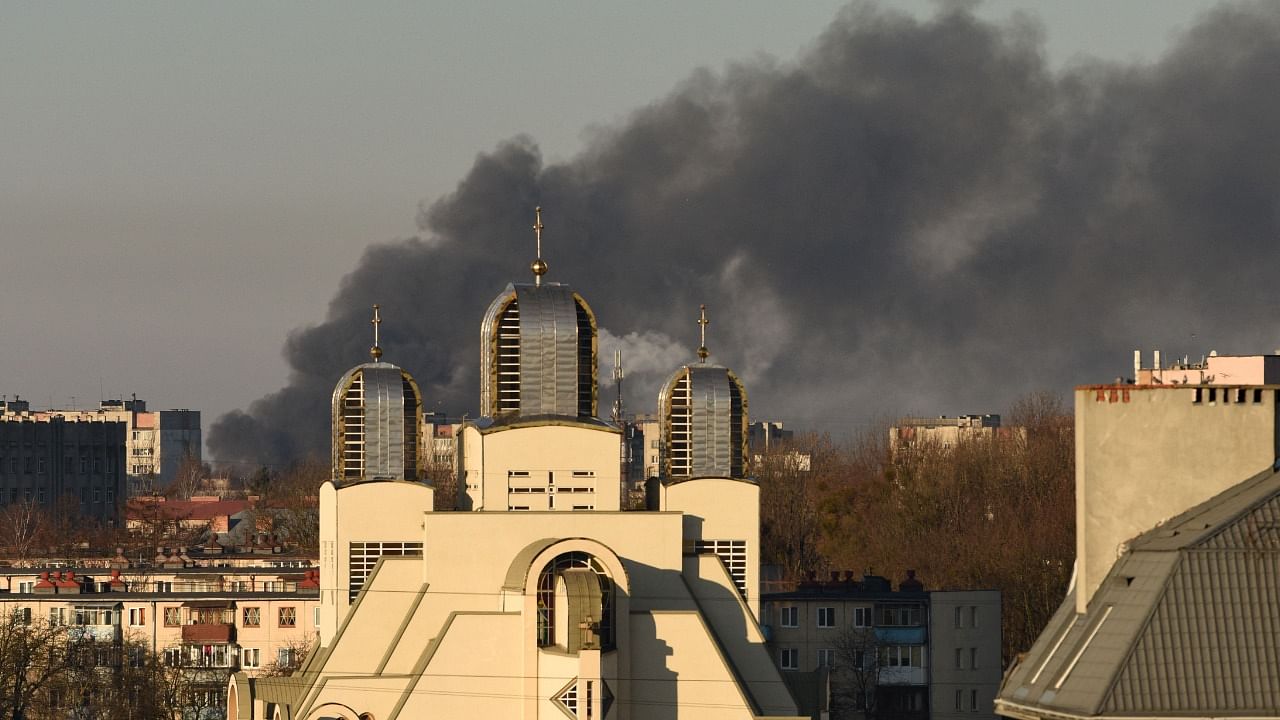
539 267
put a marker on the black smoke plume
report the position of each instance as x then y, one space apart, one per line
916 216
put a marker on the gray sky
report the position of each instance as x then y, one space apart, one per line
183 184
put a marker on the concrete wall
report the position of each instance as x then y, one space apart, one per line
964 658
550 455
1145 453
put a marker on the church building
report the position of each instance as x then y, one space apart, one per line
539 595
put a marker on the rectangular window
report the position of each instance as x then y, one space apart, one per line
959 658
137 616
902 656
973 658
973 699
826 657
284 657
111 494
97 495
315 616
973 616
363 556
172 617
733 553
252 617
57 616
287 617
789 617
826 617
250 657
789 659
959 699
26 586
862 617
164 586
900 615
24 616
958 613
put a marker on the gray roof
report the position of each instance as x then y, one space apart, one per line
1187 623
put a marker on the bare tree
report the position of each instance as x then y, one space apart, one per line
187 479
21 528
855 674
37 659
289 658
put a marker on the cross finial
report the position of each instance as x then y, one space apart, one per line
703 322
538 267
376 351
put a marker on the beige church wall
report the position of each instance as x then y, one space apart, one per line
554 672
1146 453
741 638
473 673
675 645
721 509
459 564
554 451
367 511
369 633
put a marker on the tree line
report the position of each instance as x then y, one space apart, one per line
992 511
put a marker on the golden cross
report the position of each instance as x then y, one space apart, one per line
703 322
375 351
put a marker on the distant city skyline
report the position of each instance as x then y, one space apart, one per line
185 186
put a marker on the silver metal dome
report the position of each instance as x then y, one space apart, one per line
377 416
704 423
538 353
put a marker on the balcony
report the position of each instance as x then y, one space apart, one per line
208 633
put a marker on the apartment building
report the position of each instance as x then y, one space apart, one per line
53 460
924 654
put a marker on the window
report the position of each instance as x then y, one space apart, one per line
364 555
315 616
137 616
902 656
97 495
284 657
733 553
287 617
173 657
826 617
57 616
862 617
900 615
252 617
111 494
26 586
973 658
973 699
959 658
973 616
826 657
958 614
24 616
164 586
94 616
789 617
959 697
40 494
250 657
789 659
172 617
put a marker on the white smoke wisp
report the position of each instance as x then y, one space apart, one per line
648 358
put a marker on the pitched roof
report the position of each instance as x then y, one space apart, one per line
1186 623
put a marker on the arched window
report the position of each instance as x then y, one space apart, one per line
576 593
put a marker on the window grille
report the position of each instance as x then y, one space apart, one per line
364 556
734 555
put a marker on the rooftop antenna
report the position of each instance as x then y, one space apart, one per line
538 267
376 351
703 322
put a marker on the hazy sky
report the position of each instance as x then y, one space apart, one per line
183 184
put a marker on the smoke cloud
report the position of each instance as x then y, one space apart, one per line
914 217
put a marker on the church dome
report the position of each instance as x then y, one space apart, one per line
538 349
703 412
376 421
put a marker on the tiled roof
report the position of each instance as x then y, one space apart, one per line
1187 623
